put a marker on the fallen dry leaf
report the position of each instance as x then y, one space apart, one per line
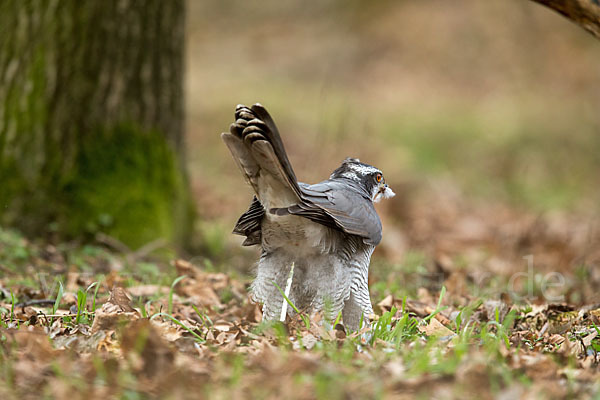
147 290
435 328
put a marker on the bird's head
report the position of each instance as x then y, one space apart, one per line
367 176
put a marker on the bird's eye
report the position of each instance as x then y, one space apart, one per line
378 177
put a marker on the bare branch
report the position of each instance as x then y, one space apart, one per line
585 13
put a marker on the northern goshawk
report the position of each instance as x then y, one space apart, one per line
326 231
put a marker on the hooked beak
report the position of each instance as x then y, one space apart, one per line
385 192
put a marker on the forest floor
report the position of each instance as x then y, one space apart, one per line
486 283
505 307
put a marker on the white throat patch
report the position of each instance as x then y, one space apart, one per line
386 194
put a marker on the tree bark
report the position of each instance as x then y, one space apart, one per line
585 13
91 118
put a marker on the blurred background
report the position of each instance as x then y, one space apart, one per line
501 98
483 116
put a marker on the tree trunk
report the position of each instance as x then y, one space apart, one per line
585 13
91 118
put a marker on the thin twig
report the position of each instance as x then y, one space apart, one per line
37 302
110 241
131 256
61 315
148 248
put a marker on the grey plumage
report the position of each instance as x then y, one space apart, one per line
328 230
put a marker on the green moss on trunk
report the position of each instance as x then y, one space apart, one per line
91 120
128 184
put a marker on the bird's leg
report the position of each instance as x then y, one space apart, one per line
357 308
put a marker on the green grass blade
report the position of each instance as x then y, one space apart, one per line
305 319
81 303
95 294
59 296
175 282
13 301
438 307
181 324
286 298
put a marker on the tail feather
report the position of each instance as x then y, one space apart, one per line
257 148
272 134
